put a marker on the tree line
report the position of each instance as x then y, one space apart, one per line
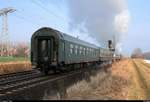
20 49
137 53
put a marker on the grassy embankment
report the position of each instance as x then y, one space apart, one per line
13 59
14 64
141 81
112 84
125 80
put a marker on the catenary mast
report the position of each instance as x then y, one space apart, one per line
4 36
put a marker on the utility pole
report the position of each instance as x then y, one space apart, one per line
114 47
4 36
114 42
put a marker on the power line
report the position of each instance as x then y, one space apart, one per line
48 11
30 16
56 4
26 20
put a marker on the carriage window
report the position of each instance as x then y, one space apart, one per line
71 48
43 45
76 49
84 51
80 50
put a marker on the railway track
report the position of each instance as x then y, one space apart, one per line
12 78
20 81
17 86
9 81
13 75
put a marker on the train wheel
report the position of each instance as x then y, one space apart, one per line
46 69
61 68
43 71
46 72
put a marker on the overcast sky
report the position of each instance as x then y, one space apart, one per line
34 14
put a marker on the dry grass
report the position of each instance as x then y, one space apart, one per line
13 67
135 92
147 64
121 82
106 85
137 78
143 79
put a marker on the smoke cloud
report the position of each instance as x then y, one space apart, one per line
102 19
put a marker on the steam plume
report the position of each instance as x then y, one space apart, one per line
101 19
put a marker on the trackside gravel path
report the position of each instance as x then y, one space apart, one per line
128 79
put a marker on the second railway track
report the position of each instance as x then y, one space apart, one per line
12 87
16 82
12 78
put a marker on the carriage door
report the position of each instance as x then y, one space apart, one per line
44 50
47 51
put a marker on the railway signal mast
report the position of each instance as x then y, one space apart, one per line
4 36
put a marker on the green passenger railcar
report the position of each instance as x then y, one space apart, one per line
52 49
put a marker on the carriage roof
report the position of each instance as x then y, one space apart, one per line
52 32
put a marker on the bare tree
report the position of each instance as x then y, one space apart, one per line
21 50
16 49
137 53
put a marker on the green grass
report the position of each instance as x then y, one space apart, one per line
13 59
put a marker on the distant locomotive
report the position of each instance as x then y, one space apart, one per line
54 50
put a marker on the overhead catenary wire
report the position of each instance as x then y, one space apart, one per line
26 20
39 21
57 5
39 4
48 11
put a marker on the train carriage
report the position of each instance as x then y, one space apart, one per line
51 49
105 55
